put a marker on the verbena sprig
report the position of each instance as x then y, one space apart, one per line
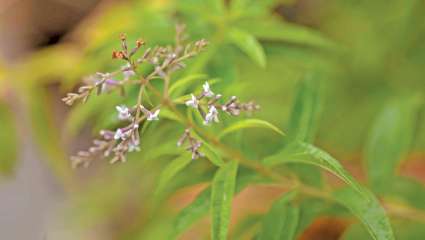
165 60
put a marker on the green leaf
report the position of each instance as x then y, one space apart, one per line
357 199
280 223
192 213
252 8
181 84
8 140
212 154
367 208
223 188
276 30
199 207
172 169
405 190
390 139
303 123
82 112
249 45
299 152
305 110
250 123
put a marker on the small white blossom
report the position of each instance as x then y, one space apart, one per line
207 91
211 116
153 116
123 112
119 134
193 102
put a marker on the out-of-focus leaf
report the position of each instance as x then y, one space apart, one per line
250 123
223 188
305 110
303 123
81 113
181 84
246 226
390 139
8 140
202 8
407 191
403 230
367 208
280 223
309 208
299 152
252 8
275 30
249 45
192 213
45 132
173 168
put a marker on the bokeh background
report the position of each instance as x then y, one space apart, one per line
365 61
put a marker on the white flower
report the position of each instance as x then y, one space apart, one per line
127 71
153 116
193 102
123 112
211 116
119 134
207 91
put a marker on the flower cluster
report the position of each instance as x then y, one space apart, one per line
119 142
164 60
207 104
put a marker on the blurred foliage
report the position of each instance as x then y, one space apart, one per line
354 82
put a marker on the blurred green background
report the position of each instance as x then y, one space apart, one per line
360 65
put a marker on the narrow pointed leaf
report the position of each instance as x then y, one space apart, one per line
223 188
281 222
173 168
305 110
276 30
357 199
390 139
299 152
250 123
303 123
192 213
199 207
181 84
249 45
367 208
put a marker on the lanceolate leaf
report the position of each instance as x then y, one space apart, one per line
275 30
305 111
192 213
300 152
357 199
181 84
223 187
390 139
303 123
173 168
249 45
199 207
280 223
367 208
250 123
